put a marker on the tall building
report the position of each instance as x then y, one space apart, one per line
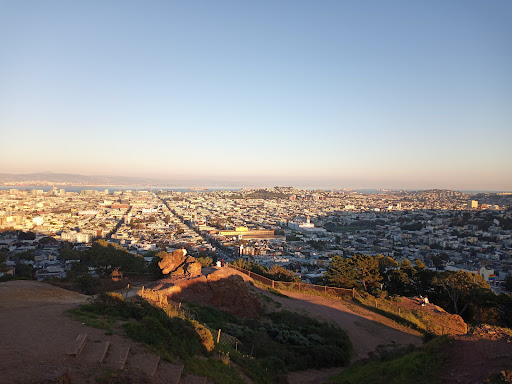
472 204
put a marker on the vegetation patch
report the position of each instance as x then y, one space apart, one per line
167 331
277 293
282 341
214 370
420 367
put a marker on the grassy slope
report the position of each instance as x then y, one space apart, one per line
420 367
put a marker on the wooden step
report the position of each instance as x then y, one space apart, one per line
78 345
105 346
143 364
94 352
117 356
168 373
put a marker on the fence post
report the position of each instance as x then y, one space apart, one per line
353 292
272 283
218 337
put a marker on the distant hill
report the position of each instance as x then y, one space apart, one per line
71 179
63 179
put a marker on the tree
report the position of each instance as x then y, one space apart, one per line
350 272
69 254
26 235
367 271
25 255
155 272
341 273
24 270
3 259
419 264
279 273
438 262
459 286
106 256
398 282
508 283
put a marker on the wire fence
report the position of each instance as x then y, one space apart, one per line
297 287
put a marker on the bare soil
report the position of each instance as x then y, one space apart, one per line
36 334
473 357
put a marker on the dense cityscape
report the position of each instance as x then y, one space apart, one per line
298 229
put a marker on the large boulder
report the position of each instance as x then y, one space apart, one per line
223 289
179 264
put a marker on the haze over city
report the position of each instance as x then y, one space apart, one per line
331 94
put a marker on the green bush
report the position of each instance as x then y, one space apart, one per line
205 335
214 370
205 261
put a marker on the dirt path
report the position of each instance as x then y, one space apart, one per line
36 334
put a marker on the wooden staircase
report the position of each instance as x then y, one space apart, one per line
106 358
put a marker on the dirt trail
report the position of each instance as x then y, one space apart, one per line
36 334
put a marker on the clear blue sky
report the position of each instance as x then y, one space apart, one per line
391 94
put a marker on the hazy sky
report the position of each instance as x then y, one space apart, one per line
392 94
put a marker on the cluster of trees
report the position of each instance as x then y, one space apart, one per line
105 257
275 272
460 292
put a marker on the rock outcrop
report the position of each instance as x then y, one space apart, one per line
222 288
179 264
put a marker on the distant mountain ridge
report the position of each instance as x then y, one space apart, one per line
62 179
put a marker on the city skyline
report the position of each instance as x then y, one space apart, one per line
333 95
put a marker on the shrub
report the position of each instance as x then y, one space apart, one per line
503 377
205 335
204 261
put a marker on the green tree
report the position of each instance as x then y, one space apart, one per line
508 282
77 269
25 255
24 270
367 271
341 273
106 257
26 235
459 286
398 282
155 272
419 264
280 273
3 259
69 254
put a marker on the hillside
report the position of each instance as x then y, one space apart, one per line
36 334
